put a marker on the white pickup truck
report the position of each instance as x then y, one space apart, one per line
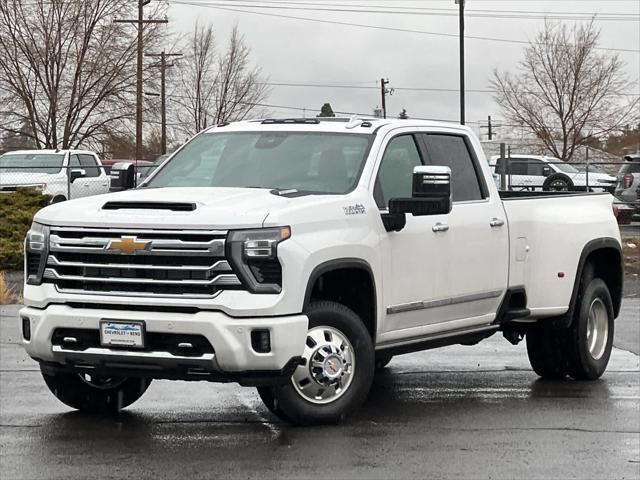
61 174
300 255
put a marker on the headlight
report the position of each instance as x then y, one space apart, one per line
253 254
36 249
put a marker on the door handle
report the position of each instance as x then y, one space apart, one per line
440 227
496 222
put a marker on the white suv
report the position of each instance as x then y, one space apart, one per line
537 172
62 174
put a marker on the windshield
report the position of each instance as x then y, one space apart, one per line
31 162
304 161
565 167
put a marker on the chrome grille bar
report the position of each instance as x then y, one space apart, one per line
218 280
219 266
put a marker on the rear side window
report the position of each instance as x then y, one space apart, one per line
90 165
395 175
631 167
452 151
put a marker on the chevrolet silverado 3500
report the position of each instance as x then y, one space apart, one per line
300 255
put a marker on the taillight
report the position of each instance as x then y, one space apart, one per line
616 210
627 180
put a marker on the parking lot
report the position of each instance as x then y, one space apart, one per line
457 412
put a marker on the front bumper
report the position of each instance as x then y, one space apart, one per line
233 358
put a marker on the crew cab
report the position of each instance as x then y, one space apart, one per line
300 255
61 174
540 172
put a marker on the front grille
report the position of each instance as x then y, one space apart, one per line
162 262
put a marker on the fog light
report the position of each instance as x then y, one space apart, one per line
261 341
26 328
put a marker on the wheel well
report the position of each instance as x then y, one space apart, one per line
351 286
606 263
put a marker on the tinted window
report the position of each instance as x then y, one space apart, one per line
74 162
534 167
90 165
451 151
30 162
518 166
395 174
631 167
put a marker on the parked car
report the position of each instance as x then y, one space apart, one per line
62 174
629 181
298 256
537 172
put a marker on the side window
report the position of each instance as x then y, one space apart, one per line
518 166
74 162
396 170
451 151
90 165
535 167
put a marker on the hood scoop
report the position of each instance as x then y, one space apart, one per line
173 206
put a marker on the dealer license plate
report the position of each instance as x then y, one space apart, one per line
122 334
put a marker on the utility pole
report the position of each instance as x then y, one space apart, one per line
163 97
461 28
140 24
384 91
490 126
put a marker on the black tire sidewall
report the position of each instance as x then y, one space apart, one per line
582 366
71 390
546 186
299 410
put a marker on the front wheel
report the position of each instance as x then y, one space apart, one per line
95 394
336 371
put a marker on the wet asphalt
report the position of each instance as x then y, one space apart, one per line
456 412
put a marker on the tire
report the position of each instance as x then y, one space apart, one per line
383 360
58 199
590 338
545 349
306 399
268 398
98 394
557 182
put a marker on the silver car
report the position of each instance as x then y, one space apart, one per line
629 181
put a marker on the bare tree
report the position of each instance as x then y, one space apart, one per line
565 91
217 87
67 70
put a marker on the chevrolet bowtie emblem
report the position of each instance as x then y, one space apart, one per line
128 245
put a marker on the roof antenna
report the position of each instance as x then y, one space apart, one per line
354 122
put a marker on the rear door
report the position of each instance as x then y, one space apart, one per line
95 180
477 241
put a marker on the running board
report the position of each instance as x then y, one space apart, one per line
467 336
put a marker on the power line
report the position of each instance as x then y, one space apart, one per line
375 27
404 10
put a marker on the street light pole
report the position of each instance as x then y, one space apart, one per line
460 3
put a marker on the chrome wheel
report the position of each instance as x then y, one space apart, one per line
597 328
559 185
328 365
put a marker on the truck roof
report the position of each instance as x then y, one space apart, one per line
49 150
354 124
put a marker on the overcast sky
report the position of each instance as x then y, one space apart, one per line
299 51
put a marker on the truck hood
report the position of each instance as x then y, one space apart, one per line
25 178
215 208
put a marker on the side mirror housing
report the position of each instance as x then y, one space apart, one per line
76 173
431 196
546 171
122 177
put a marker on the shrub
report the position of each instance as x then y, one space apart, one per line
16 213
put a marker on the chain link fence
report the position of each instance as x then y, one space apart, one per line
64 183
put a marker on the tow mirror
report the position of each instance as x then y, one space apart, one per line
431 195
546 171
76 173
122 177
